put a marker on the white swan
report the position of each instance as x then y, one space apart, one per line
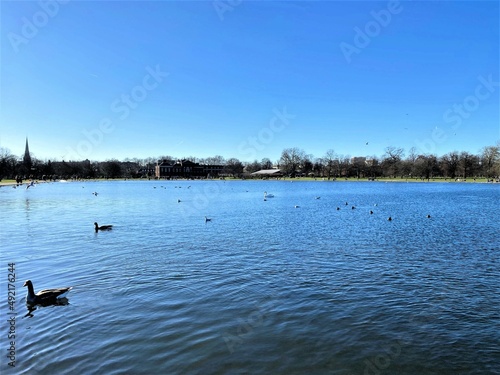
268 195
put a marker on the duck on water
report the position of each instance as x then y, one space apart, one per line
102 227
46 296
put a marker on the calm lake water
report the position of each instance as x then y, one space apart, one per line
262 288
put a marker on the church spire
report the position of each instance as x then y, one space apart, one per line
27 156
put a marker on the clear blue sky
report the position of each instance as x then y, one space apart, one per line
118 79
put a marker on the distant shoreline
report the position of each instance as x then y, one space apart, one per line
25 183
297 179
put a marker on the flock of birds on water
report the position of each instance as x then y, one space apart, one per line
207 219
57 296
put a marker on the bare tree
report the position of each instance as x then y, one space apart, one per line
373 166
266 163
194 159
7 163
214 160
344 165
253 167
408 165
307 165
318 167
466 163
167 157
112 168
233 167
291 159
426 166
392 160
330 162
449 164
490 159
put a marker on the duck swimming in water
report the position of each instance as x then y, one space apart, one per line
45 296
102 227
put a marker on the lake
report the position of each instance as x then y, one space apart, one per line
264 287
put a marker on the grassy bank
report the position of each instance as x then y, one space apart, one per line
8 182
387 179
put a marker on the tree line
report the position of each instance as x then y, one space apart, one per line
395 163
293 162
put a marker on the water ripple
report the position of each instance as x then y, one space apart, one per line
263 287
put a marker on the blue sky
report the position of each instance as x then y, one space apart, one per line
247 79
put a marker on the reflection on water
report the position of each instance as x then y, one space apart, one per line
57 302
262 287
